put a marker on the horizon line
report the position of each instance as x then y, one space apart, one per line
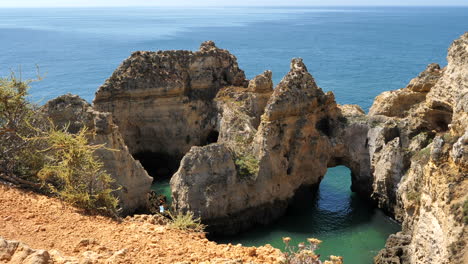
226 6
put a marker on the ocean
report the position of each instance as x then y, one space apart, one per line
355 52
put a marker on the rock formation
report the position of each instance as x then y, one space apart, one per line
254 170
163 101
408 155
430 189
249 149
16 253
74 112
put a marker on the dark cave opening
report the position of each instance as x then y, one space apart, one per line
440 121
160 166
324 126
212 137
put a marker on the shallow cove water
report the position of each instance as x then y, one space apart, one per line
348 225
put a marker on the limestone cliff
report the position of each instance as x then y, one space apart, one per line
163 101
408 155
128 173
249 149
430 195
255 169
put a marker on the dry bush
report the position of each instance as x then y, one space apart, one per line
186 221
19 120
73 172
35 154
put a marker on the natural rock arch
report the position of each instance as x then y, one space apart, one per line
268 141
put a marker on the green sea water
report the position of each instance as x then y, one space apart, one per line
348 225
163 187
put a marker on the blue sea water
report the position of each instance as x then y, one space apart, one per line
355 52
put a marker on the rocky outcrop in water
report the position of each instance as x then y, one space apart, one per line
74 113
255 169
163 101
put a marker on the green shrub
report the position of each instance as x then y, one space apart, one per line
19 119
186 221
246 165
73 172
34 154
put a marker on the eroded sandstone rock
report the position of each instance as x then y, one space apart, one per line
15 252
254 171
408 155
74 112
163 101
432 189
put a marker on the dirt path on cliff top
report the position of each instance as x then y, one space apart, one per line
46 223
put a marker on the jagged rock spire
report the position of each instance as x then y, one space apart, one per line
261 83
296 93
298 77
208 45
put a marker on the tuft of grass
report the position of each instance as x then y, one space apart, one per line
186 221
375 123
449 138
247 165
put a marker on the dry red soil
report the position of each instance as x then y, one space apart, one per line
46 223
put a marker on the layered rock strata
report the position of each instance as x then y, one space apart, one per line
430 189
163 101
74 113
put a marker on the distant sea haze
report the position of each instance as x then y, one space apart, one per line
355 52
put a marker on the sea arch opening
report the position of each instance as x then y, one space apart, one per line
348 224
162 165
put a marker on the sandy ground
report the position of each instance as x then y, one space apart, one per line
46 223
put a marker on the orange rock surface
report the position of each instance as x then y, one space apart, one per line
46 223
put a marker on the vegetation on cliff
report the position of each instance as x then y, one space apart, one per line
304 253
73 172
19 120
186 221
36 154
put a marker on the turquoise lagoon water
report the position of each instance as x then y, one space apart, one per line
347 224
355 52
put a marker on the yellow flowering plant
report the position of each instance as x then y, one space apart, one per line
304 253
